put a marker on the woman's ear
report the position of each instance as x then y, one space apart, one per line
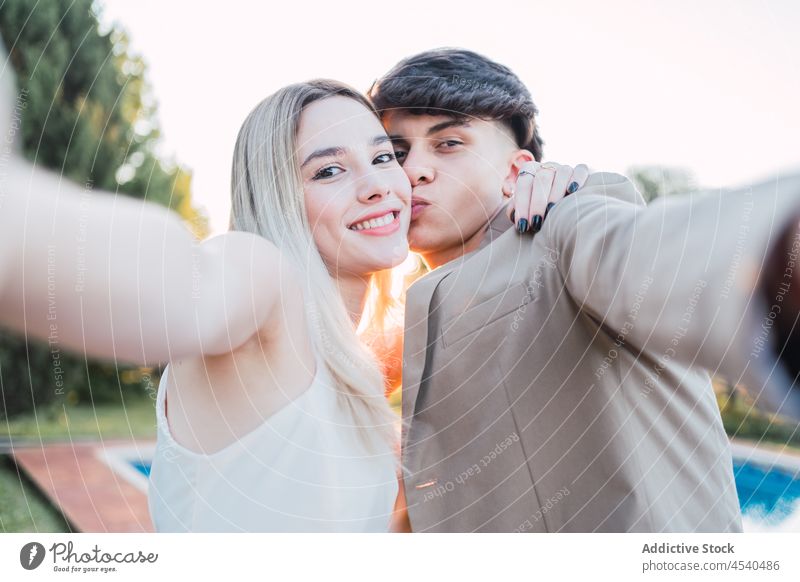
518 159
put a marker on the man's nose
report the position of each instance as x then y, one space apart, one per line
418 170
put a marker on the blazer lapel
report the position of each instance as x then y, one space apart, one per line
415 340
417 327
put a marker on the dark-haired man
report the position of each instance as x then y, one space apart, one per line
557 382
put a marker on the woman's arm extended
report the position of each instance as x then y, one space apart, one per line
117 278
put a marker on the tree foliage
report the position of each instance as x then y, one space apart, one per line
87 114
657 181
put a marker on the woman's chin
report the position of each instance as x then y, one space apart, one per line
399 254
385 260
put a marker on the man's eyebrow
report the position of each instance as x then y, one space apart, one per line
447 124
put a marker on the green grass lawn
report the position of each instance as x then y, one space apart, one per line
22 507
743 420
136 418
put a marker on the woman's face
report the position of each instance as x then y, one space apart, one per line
357 197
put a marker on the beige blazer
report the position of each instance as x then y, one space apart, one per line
559 382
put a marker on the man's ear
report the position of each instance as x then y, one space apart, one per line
517 160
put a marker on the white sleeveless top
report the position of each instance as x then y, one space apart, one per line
303 470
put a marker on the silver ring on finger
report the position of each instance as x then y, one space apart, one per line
531 174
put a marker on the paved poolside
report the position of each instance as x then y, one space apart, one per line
91 482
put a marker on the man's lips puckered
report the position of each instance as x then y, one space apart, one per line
417 206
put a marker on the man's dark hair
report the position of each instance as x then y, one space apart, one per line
460 83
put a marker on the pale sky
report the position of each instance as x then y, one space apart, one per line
713 86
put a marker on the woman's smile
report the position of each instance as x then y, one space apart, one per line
380 223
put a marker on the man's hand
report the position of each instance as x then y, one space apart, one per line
539 187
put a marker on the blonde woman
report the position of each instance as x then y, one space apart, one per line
290 430
271 412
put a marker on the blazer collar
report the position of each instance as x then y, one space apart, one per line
498 224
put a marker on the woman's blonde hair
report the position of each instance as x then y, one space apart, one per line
267 199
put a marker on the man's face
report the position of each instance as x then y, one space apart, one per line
457 168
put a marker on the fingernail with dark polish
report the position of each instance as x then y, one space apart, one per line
512 215
522 225
537 223
549 206
572 187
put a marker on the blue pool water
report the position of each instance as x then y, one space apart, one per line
142 466
770 493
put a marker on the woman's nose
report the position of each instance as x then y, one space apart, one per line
373 188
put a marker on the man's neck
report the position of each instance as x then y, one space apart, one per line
436 259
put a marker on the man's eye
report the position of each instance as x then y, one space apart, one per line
327 172
400 156
449 143
384 158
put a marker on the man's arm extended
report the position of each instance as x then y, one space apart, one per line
680 277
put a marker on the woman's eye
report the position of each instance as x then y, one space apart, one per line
384 158
327 172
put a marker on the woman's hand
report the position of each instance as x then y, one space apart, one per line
539 187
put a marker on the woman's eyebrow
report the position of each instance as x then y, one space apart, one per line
338 151
324 153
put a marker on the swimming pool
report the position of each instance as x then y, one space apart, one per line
768 486
765 490
132 462
142 466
